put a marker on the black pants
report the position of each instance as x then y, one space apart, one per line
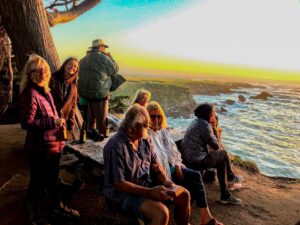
221 161
97 114
44 169
193 182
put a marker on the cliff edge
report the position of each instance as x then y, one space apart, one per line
266 201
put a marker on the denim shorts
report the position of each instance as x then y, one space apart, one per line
132 205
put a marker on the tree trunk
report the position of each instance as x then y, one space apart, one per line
27 26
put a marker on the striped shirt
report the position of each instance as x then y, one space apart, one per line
166 150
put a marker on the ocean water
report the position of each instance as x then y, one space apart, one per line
265 132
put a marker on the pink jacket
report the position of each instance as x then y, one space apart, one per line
37 114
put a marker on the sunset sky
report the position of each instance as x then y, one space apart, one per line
209 39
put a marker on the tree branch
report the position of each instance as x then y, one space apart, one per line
55 4
57 17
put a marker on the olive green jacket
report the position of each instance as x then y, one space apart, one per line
95 75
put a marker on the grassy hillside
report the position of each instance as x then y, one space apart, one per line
175 99
206 87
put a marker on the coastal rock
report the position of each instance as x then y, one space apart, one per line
263 96
204 87
222 110
230 102
241 98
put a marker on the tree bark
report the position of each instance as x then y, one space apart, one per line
57 17
27 26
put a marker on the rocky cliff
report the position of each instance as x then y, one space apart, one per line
176 100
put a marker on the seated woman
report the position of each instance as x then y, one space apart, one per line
194 149
142 97
129 164
63 86
40 119
234 184
170 158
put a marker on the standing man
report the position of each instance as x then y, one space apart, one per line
96 72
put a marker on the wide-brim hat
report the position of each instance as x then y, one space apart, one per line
99 42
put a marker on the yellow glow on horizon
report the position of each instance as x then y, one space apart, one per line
136 61
146 63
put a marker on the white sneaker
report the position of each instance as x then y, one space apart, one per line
234 186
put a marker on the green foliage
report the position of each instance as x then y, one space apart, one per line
117 104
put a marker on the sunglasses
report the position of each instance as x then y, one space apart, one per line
155 116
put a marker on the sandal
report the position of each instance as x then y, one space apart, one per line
213 221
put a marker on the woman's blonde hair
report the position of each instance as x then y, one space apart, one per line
136 114
139 93
154 106
26 76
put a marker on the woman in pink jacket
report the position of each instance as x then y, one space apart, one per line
43 143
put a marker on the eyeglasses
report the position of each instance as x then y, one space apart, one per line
155 116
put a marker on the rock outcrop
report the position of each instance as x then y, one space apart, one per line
241 98
263 96
176 100
223 110
229 102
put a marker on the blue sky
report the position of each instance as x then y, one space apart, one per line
114 17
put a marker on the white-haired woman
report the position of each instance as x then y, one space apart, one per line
170 159
142 97
40 119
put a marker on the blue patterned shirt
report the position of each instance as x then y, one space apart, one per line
198 136
123 163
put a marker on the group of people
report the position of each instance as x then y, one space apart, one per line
47 112
141 161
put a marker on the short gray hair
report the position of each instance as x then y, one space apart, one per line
136 114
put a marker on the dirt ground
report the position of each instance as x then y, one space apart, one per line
265 201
